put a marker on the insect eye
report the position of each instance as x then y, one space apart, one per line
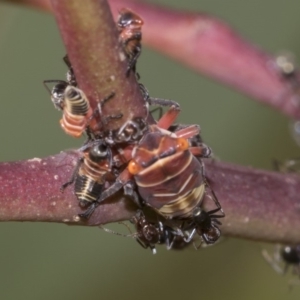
183 144
134 168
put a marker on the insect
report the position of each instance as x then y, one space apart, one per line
92 172
129 25
205 223
288 166
285 256
166 173
168 176
134 129
289 255
58 91
286 66
77 113
78 116
150 233
285 63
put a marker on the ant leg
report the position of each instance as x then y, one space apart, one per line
170 235
112 117
156 101
214 197
67 61
153 249
132 63
131 235
101 103
146 246
72 179
89 144
190 236
144 91
272 261
129 191
88 138
162 102
160 111
89 211
105 99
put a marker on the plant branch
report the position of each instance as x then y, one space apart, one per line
211 47
259 205
30 191
91 39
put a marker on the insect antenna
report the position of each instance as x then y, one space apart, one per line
45 82
131 235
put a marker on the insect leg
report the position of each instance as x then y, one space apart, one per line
190 236
52 81
162 102
214 197
169 117
72 179
129 190
188 131
156 101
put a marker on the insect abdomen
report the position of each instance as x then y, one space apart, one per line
87 190
173 185
77 112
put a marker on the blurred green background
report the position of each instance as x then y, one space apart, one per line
51 261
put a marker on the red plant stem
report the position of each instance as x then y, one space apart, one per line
209 46
30 191
91 39
259 205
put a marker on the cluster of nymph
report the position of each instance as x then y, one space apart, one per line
159 166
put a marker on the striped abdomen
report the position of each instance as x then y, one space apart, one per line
170 178
87 190
92 175
76 112
173 185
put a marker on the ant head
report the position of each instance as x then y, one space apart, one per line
211 234
57 93
201 217
128 18
291 254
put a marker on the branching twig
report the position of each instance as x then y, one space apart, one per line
259 205
91 40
